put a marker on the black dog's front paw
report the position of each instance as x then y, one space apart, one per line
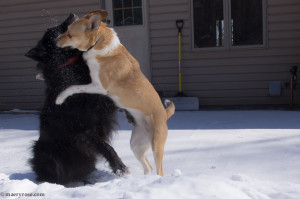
121 171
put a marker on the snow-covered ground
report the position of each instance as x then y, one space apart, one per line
208 155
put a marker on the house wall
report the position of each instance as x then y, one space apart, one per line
228 77
22 24
225 77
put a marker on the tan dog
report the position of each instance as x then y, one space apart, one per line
116 73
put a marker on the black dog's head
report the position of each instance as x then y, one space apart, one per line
60 67
46 52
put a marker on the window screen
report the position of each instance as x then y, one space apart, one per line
127 12
208 23
246 22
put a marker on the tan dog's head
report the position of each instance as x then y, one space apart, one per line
83 33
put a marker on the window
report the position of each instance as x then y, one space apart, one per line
127 12
208 23
227 23
246 22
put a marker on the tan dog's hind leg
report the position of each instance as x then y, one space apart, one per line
160 134
140 143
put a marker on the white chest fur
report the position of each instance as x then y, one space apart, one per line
94 67
93 64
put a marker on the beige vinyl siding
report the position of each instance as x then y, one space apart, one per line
22 24
225 77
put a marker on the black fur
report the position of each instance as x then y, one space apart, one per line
72 134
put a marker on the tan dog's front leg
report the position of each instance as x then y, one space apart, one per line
89 88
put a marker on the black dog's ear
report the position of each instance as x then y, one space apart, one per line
74 16
71 18
64 26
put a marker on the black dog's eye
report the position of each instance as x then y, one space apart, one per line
70 36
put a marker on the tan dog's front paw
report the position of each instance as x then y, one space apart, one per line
59 100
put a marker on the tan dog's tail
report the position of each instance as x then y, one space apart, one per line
170 108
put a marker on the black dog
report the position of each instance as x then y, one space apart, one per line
74 134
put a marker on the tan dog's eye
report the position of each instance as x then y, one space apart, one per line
70 36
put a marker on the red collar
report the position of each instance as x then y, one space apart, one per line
70 61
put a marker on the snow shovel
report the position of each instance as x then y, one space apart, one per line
181 101
179 25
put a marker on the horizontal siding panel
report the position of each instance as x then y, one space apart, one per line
27 85
42 5
21 71
169 17
22 2
284 43
23 22
23 99
292 26
24 36
21 37
20 105
281 2
284 35
18 64
24 44
291 8
23 92
12 52
284 18
16 57
179 7
18 79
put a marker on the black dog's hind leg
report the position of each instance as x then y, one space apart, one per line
113 159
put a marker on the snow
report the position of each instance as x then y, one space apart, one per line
208 155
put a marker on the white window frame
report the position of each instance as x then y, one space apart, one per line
227 30
110 4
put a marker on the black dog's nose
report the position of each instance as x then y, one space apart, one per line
31 53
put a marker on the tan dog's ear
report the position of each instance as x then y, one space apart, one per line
95 18
94 22
103 14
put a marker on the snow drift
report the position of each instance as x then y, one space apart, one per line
208 155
